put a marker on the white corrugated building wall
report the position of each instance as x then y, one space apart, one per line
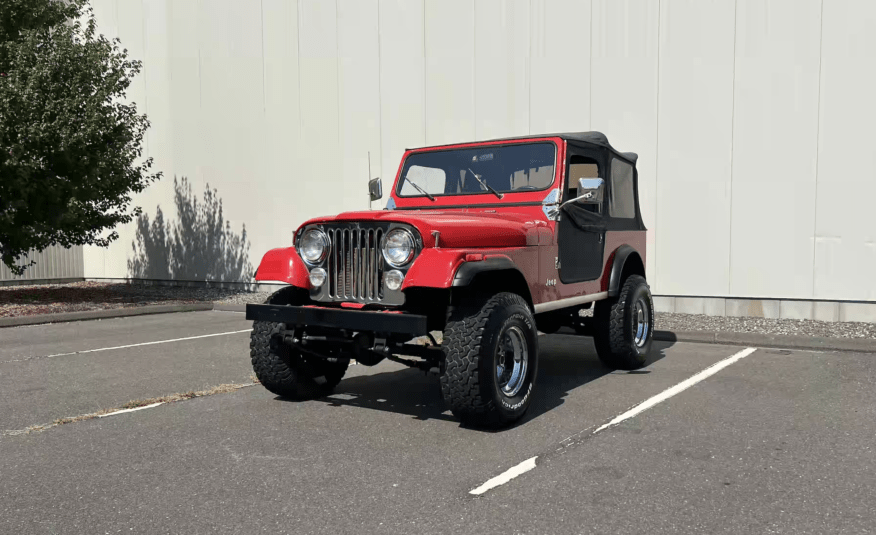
752 118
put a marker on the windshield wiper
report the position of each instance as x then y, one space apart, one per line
421 190
485 185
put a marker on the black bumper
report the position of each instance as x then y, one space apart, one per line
354 320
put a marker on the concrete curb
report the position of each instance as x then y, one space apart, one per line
229 308
101 314
860 345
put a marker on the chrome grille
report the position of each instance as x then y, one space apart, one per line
355 267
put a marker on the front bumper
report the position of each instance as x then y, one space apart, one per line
353 320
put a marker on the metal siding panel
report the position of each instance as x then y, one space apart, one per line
449 46
624 61
39 270
402 82
318 65
231 93
358 99
774 148
845 231
501 68
282 171
694 148
560 28
54 262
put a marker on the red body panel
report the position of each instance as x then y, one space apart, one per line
470 226
283 265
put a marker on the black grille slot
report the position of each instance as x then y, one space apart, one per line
355 268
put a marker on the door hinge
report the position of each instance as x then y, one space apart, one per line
557 262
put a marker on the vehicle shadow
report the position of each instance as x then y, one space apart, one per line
566 363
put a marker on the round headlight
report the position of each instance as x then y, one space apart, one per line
398 247
313 246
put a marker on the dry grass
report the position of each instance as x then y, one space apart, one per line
171 398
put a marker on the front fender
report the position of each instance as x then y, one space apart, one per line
434 268
283 265
443 268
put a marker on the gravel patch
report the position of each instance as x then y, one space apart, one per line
82 296
242 298
693 322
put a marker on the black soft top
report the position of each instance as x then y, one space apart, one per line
591 138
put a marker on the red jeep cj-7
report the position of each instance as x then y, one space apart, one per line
489 243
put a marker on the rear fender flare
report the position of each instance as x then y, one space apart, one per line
622 256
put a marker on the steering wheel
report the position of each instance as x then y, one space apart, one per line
525 188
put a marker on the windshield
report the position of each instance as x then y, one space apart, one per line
489 169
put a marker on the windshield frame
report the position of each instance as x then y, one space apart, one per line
400 179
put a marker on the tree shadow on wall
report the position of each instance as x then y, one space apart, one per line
199 246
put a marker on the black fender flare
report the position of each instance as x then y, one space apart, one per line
621 255
469 270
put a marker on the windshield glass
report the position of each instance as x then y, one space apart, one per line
502 169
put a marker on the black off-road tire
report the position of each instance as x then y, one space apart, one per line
284 371
616 324
471 338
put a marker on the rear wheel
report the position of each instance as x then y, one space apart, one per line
491 352
282 369
625 326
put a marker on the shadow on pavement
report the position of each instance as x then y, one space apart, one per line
566 363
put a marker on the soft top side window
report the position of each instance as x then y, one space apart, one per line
621 197
581 167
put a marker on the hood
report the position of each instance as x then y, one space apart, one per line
458 229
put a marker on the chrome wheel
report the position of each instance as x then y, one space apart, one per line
642 317
512 360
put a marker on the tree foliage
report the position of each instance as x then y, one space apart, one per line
70 145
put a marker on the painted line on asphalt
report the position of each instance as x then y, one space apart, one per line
677 389
131 410
127 346
529 464
506 476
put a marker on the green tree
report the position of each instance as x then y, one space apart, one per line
70 145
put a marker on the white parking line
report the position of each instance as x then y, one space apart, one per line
129 345
131 410
529 464
677 389
506 476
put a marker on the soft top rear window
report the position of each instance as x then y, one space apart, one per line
506 169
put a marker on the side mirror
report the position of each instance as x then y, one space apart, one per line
590 190
375 189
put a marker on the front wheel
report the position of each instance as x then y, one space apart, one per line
491 357
286 372
282 369
625 326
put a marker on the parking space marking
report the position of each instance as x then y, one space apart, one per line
506 476
586 434
151 405
677 389
127 346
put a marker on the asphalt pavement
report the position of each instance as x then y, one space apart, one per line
775 442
